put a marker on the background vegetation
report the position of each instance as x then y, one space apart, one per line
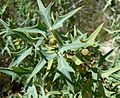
59 49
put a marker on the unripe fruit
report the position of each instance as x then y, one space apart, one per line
83 68
52 42
85 52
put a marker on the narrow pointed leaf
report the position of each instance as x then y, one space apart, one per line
9 30
107 73
21 70
38 67
94 34
39 42
88 42
74 46
60 19
70 86
108 93
4 24
9 72
45 13
30 30
57 75
64 68
76 60
104 58
32 92
50 62
22 56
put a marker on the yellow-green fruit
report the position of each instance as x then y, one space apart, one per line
85 52
52 42
83 69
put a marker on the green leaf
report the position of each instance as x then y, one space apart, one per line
92 37
45 13
4 24
38 67
50 62
8 30
21 70
60 19
57 75
70 86
76 60
9 72
88 42
58 92
43 92
6 48
74 46
107 73
103 58
108 93
23 36
94 75
50 55
115 76
22 56
38 43
31 92
64 68
30 30
9 40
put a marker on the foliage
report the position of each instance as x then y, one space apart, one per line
44 61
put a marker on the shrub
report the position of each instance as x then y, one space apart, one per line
47 62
